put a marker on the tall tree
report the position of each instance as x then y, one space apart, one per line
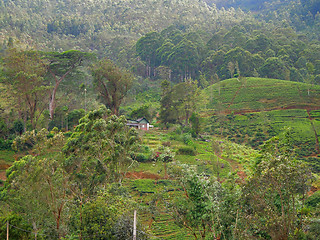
25 71
37 186
273 197
147 49
179 102
112 83
60 66
99 150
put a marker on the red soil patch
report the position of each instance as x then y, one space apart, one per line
3 175
142 175
4 166
242 175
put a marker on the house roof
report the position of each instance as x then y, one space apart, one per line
141 119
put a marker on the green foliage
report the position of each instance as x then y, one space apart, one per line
100 150
277 183
18 222
112 83
314 200
179 102
144 185
25 71
5 144
109 216
32 181
187 151
206 209
140 112
142 157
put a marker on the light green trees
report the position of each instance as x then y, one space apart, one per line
207 209
274 195
99 151
25 71
37 186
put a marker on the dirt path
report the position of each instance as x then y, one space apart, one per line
235 167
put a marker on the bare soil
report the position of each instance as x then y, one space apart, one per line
3 175
142 175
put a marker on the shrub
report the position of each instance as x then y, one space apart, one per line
141 157
313 200
187 151
187 138
5 144
166 144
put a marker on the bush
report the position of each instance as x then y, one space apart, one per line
313 200
141 157
5 144
187 151
166 144
187 138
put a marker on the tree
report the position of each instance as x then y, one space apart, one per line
112 83
179 102
37 186
25 71
109 216
99 151
309 79
274 195
60 66
207 209
274 68
166 156
184 58
147 49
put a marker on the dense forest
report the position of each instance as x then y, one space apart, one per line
229 89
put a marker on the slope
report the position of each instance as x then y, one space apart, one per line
251 110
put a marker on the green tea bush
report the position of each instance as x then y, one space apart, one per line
5 144
187 151
314 200
141 157
187 138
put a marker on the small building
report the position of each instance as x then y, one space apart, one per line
140 123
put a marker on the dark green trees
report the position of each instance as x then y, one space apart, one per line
112 83
179 102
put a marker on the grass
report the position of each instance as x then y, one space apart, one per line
7 156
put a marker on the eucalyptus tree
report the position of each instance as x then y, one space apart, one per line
179 102
207 209
25 71
112 83
99 151
37 186
62 65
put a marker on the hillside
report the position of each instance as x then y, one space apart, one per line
105 27
252 110
261 94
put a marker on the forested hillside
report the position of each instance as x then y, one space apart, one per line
223 103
